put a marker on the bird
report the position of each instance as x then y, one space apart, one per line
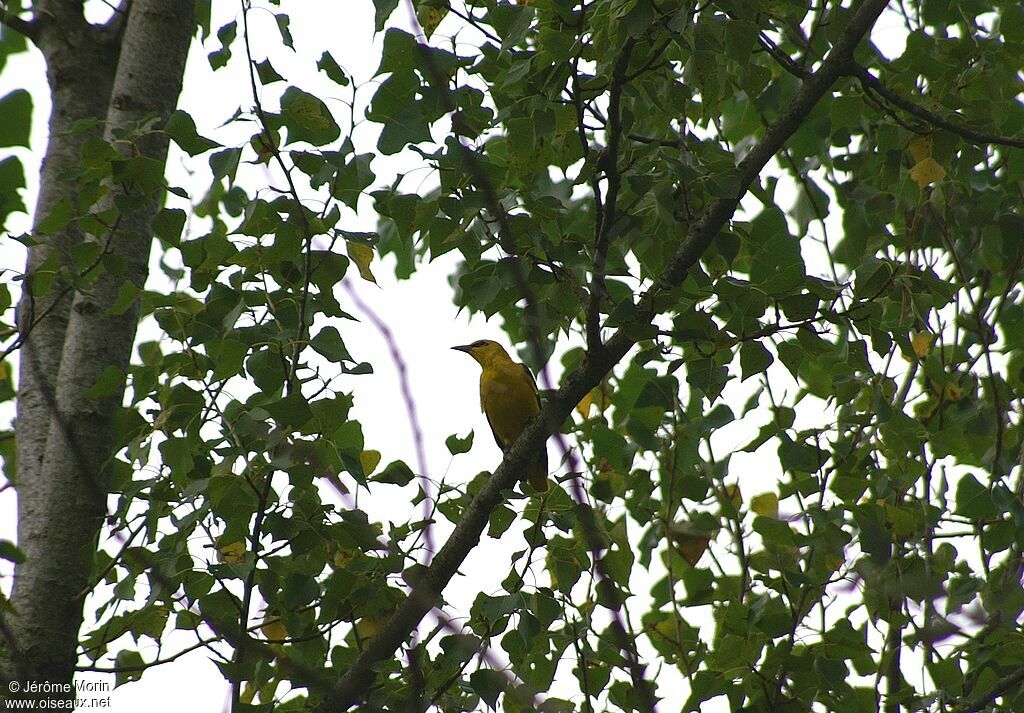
509 398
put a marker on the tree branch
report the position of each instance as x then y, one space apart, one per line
603 228
29 29
870 81
999 688
426 592
874 84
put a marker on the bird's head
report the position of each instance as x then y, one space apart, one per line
484 351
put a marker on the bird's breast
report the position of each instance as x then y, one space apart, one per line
509 401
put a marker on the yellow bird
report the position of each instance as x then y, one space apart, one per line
509 398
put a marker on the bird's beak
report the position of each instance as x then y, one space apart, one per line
463 348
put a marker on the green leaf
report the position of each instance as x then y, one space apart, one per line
168 224
12 178
265 368
382 11
57 219
774 532
307 118
396 473
224 164
130 667
396 106
140 174
291 412
11 42
352 179
329 344
15 118
126 297
488 684
754 359
176 453
973 500
226 36
334 72
458 445
182 130
284 27
228 359
267 74
10 552
501 519
110 381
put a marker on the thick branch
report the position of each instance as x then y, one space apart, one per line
1000 688
426 593
874 84
931 117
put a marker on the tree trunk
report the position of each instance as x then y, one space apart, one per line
120 73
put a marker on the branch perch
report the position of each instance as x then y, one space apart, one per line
426 592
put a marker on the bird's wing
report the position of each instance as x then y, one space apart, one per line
529 375
494 432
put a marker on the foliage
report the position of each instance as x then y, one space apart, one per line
802 490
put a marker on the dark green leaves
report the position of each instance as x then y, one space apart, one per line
754 359
307 118
973 500
777 264
328 343
383 10
15 118
488 685
458 445
12 178
328 66
182 130
396 105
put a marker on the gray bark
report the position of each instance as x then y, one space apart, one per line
121 74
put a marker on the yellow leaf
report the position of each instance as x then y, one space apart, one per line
430 17
362 255
231 553
598 397
952 392
766 504
731 494
920 148
666 628
342 557
927 171
691 543
922 343
923 410
583 407
369 460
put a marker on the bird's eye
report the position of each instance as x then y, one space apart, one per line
478 343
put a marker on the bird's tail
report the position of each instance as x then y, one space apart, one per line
537 472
